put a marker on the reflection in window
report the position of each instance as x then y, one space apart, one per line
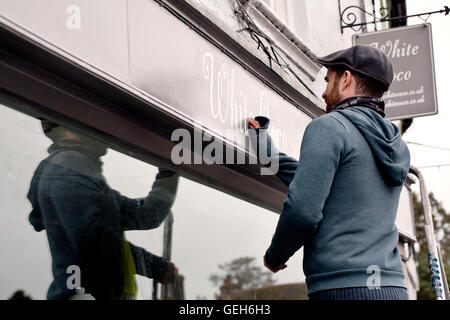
84 220
72 206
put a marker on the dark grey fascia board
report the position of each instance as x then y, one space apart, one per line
39 82
218 35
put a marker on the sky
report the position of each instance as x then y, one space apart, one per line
434 130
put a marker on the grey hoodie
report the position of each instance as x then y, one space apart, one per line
342 201
85 219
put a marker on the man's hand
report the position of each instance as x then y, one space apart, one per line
254 124
284 266
165 173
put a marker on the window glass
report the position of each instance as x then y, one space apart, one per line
77 213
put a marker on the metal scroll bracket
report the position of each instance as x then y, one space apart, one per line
349 16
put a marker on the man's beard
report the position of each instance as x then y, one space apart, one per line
334 97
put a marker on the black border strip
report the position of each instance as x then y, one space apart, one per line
44 84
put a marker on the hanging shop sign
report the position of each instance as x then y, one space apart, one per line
410 49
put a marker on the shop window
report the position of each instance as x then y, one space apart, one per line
63 221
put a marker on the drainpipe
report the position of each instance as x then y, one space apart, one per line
280 25
263 9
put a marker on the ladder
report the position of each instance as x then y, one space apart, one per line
437 272
175 287
167 250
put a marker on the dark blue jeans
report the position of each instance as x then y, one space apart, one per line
361 293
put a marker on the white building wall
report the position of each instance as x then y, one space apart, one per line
315 23
318 24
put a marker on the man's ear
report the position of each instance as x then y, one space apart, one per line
347 79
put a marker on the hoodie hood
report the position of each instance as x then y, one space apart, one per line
87 163
385 141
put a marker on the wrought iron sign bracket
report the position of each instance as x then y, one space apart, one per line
349 18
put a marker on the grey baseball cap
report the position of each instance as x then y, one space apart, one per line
366 60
